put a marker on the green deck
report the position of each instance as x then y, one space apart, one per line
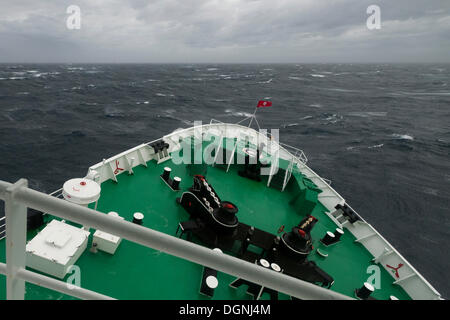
137 272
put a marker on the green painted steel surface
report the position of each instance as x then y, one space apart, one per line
137 272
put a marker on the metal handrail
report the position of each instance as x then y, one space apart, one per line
18 197
302 156
57 193
53 284
3 233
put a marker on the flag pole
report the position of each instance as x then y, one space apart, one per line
253 117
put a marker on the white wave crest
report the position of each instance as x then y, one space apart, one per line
402 136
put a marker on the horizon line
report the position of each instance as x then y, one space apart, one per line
223 63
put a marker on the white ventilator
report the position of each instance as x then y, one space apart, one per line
82 191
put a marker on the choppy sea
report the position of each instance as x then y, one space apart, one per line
379 132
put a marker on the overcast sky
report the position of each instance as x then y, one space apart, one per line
190 31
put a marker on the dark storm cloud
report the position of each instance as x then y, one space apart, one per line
225 31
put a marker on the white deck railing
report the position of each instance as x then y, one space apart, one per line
18 197
2 227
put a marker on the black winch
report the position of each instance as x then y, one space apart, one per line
298 242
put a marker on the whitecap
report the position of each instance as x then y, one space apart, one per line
189 123
295 78
16 78
439 93
341 90
315 105
268 81
160 94
317 75
7 116
430 191
290 125
402 136
306 117
212 69
368 114
113 112
333 118
376 146
238 113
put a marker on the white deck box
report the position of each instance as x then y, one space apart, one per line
57 247
105 241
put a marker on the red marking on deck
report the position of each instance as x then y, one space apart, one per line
395 269
117 168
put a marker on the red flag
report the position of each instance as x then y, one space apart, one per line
263 103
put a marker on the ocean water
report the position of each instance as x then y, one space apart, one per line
380 132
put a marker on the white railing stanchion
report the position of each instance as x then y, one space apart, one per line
218 150
232 156
16 232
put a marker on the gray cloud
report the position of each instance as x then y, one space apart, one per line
225 31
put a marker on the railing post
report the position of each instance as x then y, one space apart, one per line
16 228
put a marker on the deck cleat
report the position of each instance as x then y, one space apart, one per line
365 291
173 184
328 239
338 233
322 253
138 218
